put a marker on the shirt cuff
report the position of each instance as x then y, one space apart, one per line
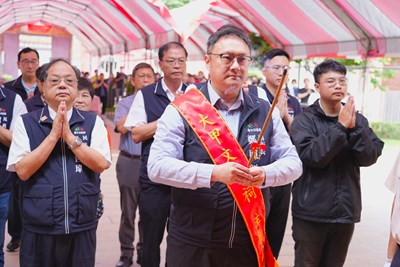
204 173
270 176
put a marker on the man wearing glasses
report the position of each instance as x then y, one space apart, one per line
201 149
128 170
11 107
58 151
274 62
333 142
25 84
148 106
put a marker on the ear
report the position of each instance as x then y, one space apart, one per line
317 88
264 71
207 60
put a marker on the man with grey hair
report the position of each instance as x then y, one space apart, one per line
58 152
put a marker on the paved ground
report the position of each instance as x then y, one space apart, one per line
368 246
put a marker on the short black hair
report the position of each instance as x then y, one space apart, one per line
39 73
328 65
224 31
167 46
142 65
54 61
85 84
274 53
27 50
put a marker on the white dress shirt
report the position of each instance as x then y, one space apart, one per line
19 109
137 113
166 164
20 145
393 184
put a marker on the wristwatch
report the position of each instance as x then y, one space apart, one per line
76 143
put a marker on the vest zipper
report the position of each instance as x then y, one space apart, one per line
65 180
233 226
243 120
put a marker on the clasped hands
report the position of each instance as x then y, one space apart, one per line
347 115
231 172
60 126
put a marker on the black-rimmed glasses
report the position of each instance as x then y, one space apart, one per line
227 59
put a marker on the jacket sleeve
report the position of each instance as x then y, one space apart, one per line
317 144
365 146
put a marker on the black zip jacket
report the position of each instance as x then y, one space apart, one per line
17 86
329 189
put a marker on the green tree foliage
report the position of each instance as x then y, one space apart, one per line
377 74
386 130
260 47
171 4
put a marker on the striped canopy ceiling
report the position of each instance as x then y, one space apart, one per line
103 26
307 28
205 19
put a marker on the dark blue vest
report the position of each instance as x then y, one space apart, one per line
34 103
7 99
206 217
61 197
155 102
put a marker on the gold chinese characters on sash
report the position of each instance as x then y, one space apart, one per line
223 147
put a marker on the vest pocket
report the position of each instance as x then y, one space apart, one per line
193 212
88 196
37 207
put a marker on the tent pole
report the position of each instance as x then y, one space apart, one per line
298 76
364 76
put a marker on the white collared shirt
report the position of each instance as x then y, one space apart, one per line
231 115
393 184
166 164
20 145
137 113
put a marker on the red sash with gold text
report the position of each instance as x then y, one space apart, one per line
223 147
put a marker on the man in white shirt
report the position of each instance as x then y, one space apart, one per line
208 224
148 106
58 152
11 107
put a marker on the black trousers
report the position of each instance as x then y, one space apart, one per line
14 225
104 106
69 250
396 258
180 254
277 216
154 206
320 244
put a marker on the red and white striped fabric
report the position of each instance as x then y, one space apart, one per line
332 28
328 28
205 18
103 26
